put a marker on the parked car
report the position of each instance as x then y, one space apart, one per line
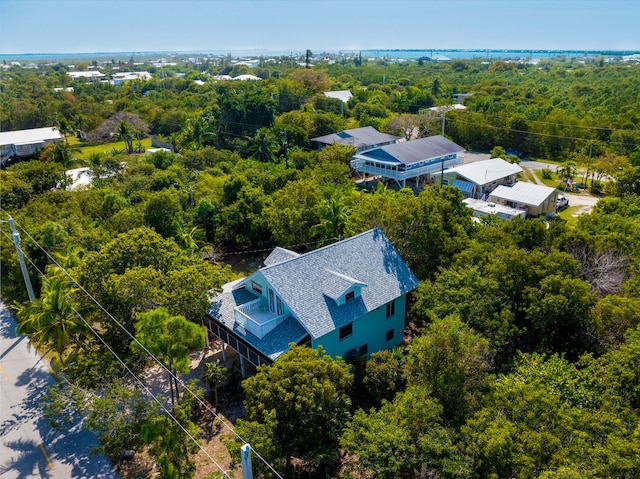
513 151
562 202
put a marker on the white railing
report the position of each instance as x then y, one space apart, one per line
243 316
387 170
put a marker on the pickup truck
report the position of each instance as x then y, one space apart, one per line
562 202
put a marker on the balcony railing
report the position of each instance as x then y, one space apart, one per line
398 171
256 318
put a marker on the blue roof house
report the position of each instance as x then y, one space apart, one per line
407 160
348 297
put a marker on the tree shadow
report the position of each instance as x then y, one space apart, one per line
27 460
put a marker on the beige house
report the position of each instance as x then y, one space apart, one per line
536 200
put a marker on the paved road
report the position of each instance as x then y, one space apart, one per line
29 447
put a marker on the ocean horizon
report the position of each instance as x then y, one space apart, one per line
494 54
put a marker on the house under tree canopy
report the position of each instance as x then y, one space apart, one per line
348 297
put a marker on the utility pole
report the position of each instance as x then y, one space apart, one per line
285 147
23 266
245 454
441 169
442 118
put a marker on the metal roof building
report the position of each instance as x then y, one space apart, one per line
342 95
24 143
409 159
535 199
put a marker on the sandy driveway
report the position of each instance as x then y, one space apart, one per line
584 200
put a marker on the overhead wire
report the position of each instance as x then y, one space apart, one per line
144 348
529 132
132 373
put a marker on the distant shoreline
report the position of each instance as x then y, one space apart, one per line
368 53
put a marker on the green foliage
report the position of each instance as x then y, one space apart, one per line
38 175
117 416
53 320
498 152
14 192
535 298
214 375
171 440
382 376
299 403
427 229
451 361
402 438
139 271
170 339
520 299
333 214
163 212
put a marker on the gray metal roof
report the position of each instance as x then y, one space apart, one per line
486 171
32 135
410 152
363 137
524 193
310 284
343 95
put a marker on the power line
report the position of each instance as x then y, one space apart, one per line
133 338
262 250
129 371
528 132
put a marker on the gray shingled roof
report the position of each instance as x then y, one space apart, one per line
336 284
357 137
310 283
279 255
370 258
415 151
274 343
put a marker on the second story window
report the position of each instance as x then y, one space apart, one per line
349 296
391 309
256 287
346 331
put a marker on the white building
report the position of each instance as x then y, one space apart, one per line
89 75
24 143
119 78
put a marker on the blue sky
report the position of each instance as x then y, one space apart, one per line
69 26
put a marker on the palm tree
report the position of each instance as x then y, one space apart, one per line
333 219
189 239
214 375
64 153
64 127
567 172
195 134
125 132
52 320
263 147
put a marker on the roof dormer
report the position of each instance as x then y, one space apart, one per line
341 288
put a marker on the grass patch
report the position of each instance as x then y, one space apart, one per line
105 148
568 214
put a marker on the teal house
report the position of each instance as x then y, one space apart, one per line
348 297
